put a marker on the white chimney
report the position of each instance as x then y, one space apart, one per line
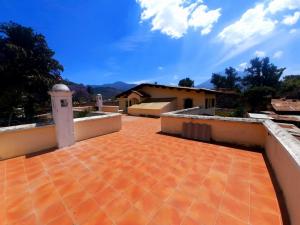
99 102
62 110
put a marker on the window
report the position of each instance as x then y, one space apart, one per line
63 103
213 102
188 103
209 103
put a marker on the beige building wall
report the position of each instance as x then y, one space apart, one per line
181 95
122 104
135 111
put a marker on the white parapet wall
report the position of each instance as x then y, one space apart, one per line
89 127
283 153
282 150
26 139
238 131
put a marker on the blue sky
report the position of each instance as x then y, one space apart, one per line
102 41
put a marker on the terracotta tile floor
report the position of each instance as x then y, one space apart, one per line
138 177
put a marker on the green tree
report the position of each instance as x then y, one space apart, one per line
290 86
262 73
218 80
257 98
229 81
27 70
261 82
187 82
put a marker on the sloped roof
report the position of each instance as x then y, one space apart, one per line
286 105
138 87
141 93
150 105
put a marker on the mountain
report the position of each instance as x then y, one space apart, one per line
106 92
209 85
109 91
117 85
206 84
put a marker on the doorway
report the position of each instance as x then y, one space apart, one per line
188 103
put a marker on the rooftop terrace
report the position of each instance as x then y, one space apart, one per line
138 176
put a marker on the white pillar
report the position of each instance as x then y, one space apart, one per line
62 111
99 102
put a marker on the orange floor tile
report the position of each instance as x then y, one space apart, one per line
138 177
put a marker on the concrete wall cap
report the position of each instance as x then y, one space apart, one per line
288 141
90 118
177 114
23 127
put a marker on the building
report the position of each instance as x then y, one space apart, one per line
286 106
154 99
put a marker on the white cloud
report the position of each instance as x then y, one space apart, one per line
276 6
293 31
204 18
253 24
291 19
242 66
256 25
174 17
260 54
140 81
175 77
278 54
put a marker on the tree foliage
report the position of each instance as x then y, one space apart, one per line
262 73
257 98
187 82
27 70
260 83
229 81
290 86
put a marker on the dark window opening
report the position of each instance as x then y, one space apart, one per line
188 103
63 103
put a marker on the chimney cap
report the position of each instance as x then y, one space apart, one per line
60 87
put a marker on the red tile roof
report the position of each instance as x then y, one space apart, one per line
286 105
140 86
138 176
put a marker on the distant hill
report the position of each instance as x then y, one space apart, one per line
106 92
117 85
206 84
209 85
109 91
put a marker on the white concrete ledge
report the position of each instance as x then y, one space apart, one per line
288 141
23 127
